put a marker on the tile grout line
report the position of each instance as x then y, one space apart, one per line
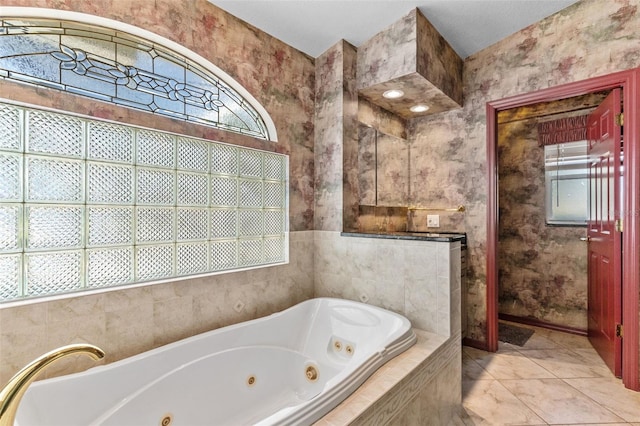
594 401
550 343
522 402
556 377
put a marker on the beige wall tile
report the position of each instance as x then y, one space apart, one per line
128 331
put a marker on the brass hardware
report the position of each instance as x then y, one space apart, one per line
312 373
167 419
619 331
13 391
619 119
460 208
251 380
349 349
337 345
618 225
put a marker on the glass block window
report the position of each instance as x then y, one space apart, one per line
114 66
87 204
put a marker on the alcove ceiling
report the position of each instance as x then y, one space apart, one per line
312 26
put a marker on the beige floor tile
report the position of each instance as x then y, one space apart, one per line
565 363
538 340
593 424
473 353
509 365
611 394
504 347
471 370
461 420
559 403
588 393
567 340
591 357
488 402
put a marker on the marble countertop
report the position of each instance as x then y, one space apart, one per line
446 237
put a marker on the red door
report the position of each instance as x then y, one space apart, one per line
604 241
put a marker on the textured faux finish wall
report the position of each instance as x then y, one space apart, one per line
542 269
590 38
373 119
389 54
336 139
128 321
411 55
437 61
380 119
350 178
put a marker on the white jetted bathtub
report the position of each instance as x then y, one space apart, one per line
289 368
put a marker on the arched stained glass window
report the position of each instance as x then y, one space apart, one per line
124 68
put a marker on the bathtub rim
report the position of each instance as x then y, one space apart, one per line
343 389
327 401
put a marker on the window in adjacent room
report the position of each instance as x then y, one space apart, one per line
566 183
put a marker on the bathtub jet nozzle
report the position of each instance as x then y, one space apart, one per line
312 373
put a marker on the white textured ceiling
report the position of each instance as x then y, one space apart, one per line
313 26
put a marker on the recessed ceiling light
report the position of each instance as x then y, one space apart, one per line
393 94
419 108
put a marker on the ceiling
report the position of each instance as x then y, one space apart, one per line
313 26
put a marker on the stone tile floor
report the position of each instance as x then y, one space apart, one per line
554 379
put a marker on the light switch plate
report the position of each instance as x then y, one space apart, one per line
433 221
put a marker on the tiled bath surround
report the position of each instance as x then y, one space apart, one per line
421 280
420 386
417 279
404 276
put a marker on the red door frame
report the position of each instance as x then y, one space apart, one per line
630 82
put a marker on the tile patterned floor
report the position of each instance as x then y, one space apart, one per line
554 379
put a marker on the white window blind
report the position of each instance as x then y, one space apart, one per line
566 183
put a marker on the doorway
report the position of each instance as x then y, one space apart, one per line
543 192
629 81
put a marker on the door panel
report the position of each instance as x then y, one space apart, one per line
604 242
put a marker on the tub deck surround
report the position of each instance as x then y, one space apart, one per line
420 386
291 367
419 277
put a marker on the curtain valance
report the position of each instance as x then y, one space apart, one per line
562 130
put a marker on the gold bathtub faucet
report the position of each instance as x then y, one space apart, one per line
13 391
